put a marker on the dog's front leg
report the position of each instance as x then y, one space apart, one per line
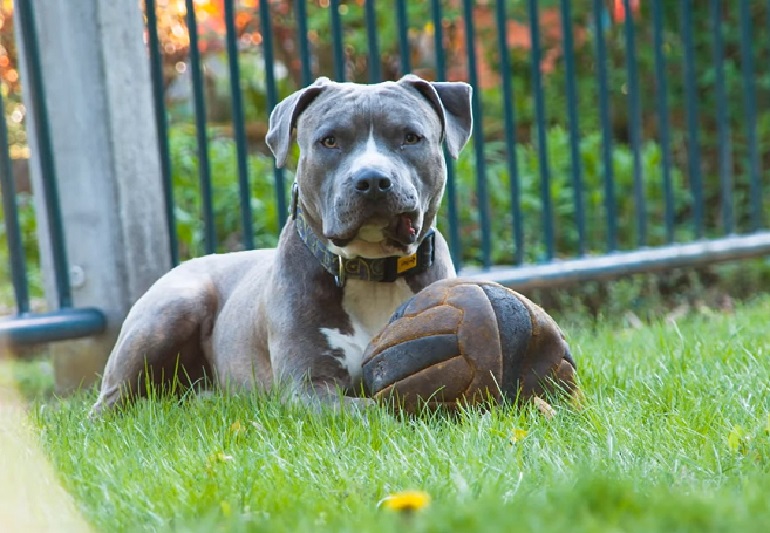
308 372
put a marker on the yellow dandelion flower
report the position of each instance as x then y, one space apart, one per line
406 501
218 457
236 426
517 435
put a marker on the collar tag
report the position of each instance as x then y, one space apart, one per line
406 263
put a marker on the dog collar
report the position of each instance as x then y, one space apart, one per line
385 269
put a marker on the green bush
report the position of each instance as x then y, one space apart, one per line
27 228
225 192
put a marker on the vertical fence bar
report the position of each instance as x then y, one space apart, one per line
337 51
661 92
161 125
16 258
266 27
604 117
402 20
542 143
371 37
36 88
199 102
509 123
767 18
300 9
691 104
478 137
574 125
723 146
635 127
239 130
455 245
750 108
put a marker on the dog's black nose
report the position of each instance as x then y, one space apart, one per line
371 183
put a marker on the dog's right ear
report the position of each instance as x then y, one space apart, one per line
284 117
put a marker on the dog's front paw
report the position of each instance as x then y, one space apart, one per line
322 397
359 403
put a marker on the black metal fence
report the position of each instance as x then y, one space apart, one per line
66 321
658 109
610 136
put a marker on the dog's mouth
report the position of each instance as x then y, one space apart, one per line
398 231
402 229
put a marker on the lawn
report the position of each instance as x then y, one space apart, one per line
673 435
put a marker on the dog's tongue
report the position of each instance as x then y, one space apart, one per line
405 231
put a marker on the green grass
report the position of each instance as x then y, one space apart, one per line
673 436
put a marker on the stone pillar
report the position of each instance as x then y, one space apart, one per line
98 93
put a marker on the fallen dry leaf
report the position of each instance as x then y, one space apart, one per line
544 407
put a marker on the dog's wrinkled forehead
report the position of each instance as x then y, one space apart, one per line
410 102
356 107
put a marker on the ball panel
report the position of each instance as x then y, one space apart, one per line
542 366
514 323
430 296
545 369
399 312
407 359
442 383
565 374
568 357
439 320
541 321
478 337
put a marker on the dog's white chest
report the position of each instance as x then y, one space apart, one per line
369 305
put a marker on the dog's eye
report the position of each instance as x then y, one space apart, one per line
412 138
330 141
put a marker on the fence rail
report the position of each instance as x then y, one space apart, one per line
65 322
609 136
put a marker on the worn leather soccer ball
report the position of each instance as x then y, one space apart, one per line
465 341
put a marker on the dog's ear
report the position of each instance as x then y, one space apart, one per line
284 117
452 102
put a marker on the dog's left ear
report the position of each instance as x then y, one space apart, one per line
452 102
284 117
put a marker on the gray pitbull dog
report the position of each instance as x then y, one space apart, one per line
360 241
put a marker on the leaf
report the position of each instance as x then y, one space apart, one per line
544 407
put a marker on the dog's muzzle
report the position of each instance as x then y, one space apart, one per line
385 269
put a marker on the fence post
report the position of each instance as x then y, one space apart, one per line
98 96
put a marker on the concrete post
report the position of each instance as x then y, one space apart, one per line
98 94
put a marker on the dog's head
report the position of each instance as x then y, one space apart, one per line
371 171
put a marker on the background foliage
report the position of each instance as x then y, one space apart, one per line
422 58
176 68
